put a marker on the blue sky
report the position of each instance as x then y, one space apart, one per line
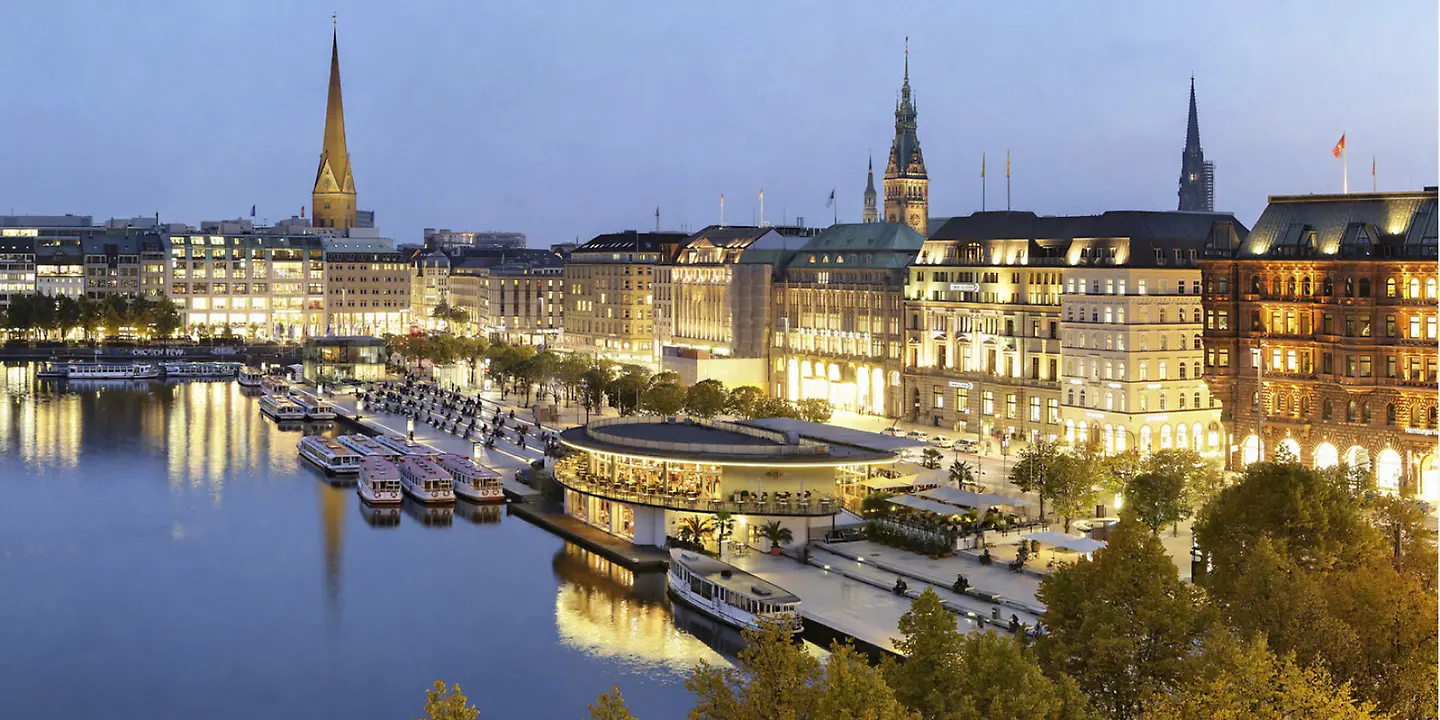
575 118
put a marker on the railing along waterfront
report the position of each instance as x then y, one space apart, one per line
814 506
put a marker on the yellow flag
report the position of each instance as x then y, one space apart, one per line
1007 163
982 166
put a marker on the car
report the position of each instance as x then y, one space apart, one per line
968 446
892 431
942 441
920 435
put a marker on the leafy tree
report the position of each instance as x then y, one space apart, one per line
776 533
696 529
610 706
1121 624
744 400
1230 678
571 374
931 458
816 410
775 407
1032 467
593 385
776 678
1202 480
1070 485
706 398
665 398
724 526
1157 498
930 644
451 704
623 393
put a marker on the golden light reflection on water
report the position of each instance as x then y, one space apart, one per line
40 426
598 611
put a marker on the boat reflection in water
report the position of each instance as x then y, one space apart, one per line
605 610
479 513
379 516
290 425
720 637
435 516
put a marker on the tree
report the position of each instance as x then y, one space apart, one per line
1202 480
961 473
571 374
929 642
665 398
1121 624
1032 467
776 533
706 398
775 407
743 401
931 458
610 706
1230 678
451 704
1157 498
623 393
776 678
695 529
593 386
1069 483
816 410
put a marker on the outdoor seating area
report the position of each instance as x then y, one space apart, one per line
694 495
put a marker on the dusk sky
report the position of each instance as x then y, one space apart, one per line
565 119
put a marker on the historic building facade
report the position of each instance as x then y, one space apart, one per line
1021 327
1321 339
907 187
1197 176
368 289
837 333
609 294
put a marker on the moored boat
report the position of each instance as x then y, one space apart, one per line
401 445
366 445
104 371
729 594
280 408
274 385
379 482
471 480
424 480
250 376
328 455
315 408
201 369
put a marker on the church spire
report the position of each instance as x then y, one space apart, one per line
872 211
334 194
1197 177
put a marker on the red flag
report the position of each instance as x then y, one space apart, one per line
302 207
1339 147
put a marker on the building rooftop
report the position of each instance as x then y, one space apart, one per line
1353 226
721 443
631 241
868 245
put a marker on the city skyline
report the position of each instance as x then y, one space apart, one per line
244 128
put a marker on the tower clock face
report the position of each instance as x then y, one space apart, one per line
914 218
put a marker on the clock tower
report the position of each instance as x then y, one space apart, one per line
907 187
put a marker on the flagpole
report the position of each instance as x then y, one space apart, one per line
1345 168
722 209
982 182
1007 181
1374 184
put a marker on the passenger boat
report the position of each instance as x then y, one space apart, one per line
366 445
105 371
424 480
328 455
379 482
315 408
201 370
472 481
274 385
401 445
53 369
729 594
250 376
281 408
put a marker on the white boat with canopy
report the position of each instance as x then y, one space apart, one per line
472 480
280 408
329 455
729 594
379 482
367 446
250 376
424 480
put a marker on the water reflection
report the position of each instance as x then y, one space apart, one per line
379 516
606 610
431 516
479 513
332 522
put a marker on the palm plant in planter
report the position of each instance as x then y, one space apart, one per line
777 534
695 529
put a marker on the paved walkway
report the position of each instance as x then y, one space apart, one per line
1013 591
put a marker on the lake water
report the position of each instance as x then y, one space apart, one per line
164 553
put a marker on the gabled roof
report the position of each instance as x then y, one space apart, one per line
631 241
882 245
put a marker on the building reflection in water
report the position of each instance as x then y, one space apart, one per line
332 524
431 516
604 609
39 423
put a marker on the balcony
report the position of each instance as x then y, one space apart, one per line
653 495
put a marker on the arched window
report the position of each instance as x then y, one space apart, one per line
1432 417
1254 284
1162 315
1082 398
1290 287
1417 416
1197 400
1162 370
1365 412
1304 406
1389 413
1350 411
1327 287
1390 288
1305 286
1275 287
1120 371
1182 371
1415 288
1349 287
1282 402
1197 341
1070 398
1197 375
1182 316
1431 286
1364 287
1165 438
1164 341
1326 409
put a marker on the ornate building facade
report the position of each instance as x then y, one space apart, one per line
609 294
1320 334
333 200
837 322
907 187
1197 176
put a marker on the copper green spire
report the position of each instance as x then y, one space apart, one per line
334 194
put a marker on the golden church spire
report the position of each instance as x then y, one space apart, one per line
333 199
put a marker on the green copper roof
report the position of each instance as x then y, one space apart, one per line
870 245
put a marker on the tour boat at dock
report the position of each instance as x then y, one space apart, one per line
424 480
399 444
101 371
315 408
280 408
250 376
206 370
379 482
328 455
471 480
274 385
367 446
729 594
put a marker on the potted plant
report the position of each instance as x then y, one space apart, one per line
777 534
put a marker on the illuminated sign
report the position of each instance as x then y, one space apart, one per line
965 287
964 385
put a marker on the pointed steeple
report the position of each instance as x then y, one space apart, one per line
334 193
1197 177
872 211
906 182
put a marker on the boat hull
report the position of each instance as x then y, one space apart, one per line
382 497
429 497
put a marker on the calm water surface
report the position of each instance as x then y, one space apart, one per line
164 553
